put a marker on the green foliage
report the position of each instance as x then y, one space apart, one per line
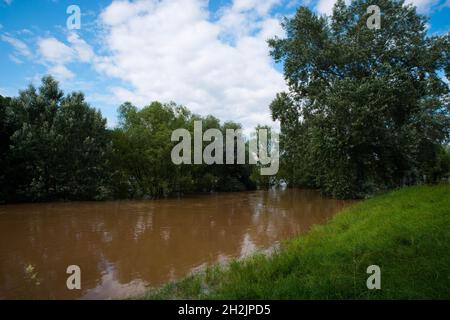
55 146
6 130
366 110
438 168
263 181
234 177
404 232
142 162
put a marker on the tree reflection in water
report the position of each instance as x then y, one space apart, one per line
124 246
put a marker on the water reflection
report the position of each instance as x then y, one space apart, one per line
124 246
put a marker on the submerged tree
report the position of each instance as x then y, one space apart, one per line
57 146
367 109
141 158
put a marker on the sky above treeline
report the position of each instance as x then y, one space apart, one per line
210 56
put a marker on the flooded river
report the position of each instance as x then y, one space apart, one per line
123 247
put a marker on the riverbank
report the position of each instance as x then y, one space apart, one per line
405 232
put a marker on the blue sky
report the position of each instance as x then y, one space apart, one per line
209 55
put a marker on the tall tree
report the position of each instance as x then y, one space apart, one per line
367 109
58 146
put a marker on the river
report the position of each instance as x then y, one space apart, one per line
124 247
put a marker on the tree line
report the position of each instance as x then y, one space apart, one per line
365 111
56 146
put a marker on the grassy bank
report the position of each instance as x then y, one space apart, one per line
405 232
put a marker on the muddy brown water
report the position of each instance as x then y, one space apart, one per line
124 247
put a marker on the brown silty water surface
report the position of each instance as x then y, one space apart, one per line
124 247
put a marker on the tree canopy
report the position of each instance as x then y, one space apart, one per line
142 155
367 109
57 147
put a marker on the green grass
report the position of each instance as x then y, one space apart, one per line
405 232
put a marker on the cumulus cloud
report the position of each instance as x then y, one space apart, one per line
56 54
172 51
60 71
245 17
55 51
175 50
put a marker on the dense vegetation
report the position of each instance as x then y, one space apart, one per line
141 155
402 232
58 147
366 110
53 146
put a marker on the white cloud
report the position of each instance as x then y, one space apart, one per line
83 51
245 17
20 46
15 59
326 6
54 51
56 54
170 51
423 6
8 2
60 71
